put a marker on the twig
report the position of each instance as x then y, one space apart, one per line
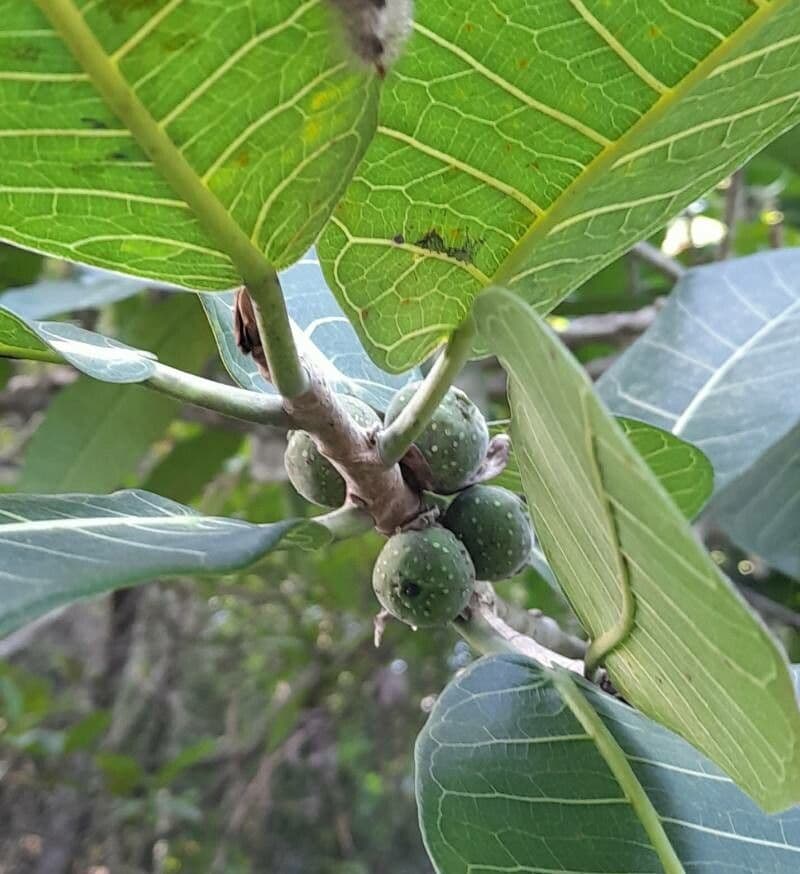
653 256
249 406
353 451
775 232
617 328
346 522
733 198
543 629
395 440
487 633
598 366
19 640
256 272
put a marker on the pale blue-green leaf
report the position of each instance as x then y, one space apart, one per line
719 367
509 781
260 98
760 510
530 144
60 549
88 289
695 659
324 336
95 355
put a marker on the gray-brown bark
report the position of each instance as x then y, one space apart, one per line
352 450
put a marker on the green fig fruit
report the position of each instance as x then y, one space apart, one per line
494 526
455 441
424 578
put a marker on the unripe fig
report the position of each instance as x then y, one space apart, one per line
314 477
494 526
424 577
455 440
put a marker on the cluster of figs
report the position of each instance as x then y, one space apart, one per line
425 577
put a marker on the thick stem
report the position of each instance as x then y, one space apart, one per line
487 633
543 629
394 441
256 272
490 625
249 406
352 450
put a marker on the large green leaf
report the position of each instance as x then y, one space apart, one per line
682 469
57 550
529 144
94 433
695 658
719 366
258 96
522 771
18 340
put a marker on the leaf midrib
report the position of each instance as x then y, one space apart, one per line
614 756
609 155
724 369
94 522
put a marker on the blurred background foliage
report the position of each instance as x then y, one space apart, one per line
248 724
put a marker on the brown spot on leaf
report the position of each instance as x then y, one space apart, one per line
25 52
94 123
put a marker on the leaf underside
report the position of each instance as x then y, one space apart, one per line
709 369
529 144
696 659
260 99
59 549
508 780
682 469
719 366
